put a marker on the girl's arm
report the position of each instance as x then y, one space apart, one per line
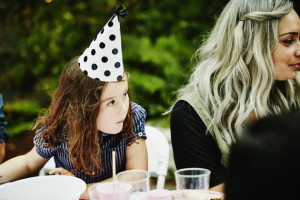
21 166
85 194
136 155
136 158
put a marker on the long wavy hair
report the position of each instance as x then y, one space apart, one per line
234 74
73 110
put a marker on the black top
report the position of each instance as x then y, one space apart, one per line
192 145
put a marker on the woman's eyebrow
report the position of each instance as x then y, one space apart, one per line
289 33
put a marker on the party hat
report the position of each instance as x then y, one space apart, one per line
103 60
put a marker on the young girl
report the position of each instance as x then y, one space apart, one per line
86 121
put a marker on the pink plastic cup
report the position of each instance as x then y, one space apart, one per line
159 194
114 191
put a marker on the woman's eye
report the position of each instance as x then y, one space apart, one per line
110 103
288 41
125 94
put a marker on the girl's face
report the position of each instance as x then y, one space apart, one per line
114 107
286 55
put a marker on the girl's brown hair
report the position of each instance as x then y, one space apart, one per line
74 109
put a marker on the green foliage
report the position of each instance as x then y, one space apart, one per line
19 115
37 39
25 106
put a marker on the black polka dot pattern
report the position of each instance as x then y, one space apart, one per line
102 60
94 66
115 51
117 65
119 78
112 37
107 73
102 45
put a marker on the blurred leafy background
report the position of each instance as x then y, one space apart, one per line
37 39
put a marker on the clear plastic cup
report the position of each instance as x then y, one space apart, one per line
139 180
193 183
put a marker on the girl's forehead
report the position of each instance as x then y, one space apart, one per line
114 89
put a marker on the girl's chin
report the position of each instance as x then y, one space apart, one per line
112 132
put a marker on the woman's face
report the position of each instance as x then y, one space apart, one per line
114 107
286 55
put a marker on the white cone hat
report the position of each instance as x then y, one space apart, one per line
103 60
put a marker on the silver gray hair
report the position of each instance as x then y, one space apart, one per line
235 72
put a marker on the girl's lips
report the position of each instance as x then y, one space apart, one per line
120 121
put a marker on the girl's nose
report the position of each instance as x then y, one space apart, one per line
123 106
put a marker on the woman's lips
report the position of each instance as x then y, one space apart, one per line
120 121
297 66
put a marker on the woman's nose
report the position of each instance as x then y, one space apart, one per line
297 53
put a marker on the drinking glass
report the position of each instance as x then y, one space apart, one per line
139 180
192 183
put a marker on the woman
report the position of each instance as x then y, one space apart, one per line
246 69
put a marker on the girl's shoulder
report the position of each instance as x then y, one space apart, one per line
136 107
63 137
138 117
138 110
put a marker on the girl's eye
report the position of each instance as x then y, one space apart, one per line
110 103
288 41
125 94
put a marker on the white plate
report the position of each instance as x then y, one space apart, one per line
44 187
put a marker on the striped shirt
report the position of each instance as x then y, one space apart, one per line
108 143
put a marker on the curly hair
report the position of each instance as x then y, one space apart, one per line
73 110
234 72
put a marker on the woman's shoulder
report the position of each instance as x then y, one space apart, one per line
182 106
183 112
